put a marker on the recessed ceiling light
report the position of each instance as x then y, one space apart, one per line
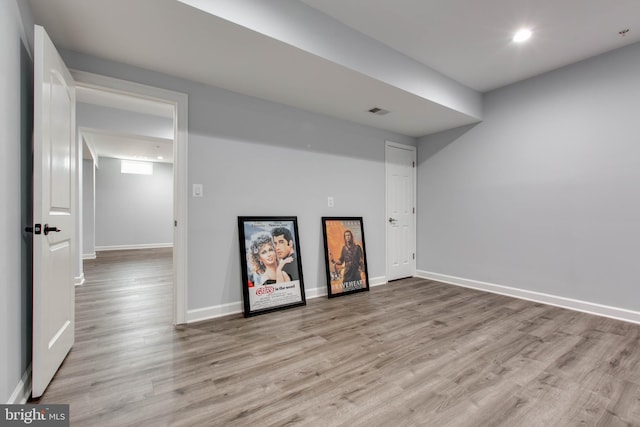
160 158
522 35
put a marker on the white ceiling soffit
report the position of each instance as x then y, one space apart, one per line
129 147
298 25
425 61
176 39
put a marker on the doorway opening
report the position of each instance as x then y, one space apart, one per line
169 110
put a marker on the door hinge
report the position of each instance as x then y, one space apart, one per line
414 210
175 222
414 255
413 164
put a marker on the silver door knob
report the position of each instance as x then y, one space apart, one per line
392 220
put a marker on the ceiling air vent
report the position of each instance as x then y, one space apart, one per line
378 111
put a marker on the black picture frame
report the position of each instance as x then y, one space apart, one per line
345 265
265 287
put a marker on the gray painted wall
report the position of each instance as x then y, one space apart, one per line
16 125
543 194
260 158
133 210
88 209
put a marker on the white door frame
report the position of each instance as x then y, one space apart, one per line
386 195
180 190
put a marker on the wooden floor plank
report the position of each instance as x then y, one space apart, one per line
414 352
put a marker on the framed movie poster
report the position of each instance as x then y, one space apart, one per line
345 257
271 264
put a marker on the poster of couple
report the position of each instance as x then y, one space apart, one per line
271 264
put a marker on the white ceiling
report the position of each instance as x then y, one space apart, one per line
249 46
470 40
100 143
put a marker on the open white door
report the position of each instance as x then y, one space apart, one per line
400 162
54 216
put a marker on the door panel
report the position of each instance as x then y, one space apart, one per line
54 186
400 172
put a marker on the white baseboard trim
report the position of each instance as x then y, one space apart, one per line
569 303
22 391
377 281
89 256
315 293
208 313
79 280
128 247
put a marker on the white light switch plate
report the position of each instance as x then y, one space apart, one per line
197 190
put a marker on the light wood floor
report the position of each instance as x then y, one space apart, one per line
412 353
